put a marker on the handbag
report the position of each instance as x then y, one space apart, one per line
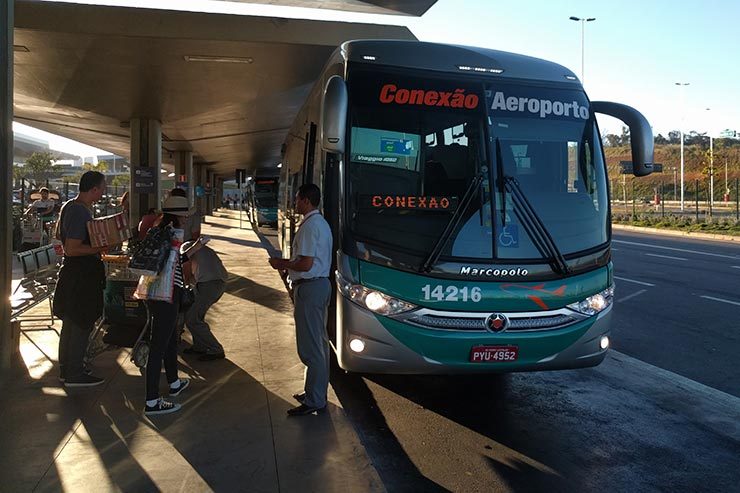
159 287
149 256
187 298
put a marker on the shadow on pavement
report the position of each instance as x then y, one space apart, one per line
393 464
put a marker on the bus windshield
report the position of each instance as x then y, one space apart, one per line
547 140
410 164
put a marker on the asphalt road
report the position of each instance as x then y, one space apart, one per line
662 413
678 306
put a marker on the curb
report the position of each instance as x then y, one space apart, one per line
671 232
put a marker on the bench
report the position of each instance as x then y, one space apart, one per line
40 268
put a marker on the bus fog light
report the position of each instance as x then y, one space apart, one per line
604 342
357 345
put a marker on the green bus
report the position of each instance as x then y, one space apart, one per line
467 192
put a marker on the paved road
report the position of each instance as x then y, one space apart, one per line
662 412
678 306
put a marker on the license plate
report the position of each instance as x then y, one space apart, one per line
493 354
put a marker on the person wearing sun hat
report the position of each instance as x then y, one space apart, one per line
210 277
164 337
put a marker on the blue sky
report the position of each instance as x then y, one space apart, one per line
635 50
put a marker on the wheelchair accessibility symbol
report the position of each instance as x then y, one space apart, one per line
509 236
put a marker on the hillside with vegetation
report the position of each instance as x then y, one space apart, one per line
668 153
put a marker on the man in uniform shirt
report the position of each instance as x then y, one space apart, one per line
308 270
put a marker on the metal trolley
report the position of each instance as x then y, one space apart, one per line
125 319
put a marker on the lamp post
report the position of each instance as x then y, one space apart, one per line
681 85
583 21
711 170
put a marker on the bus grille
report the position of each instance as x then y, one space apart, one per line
516 323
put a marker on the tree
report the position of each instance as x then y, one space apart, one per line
102 166
660 140
39 166
624 139
674 137
121 181
612 140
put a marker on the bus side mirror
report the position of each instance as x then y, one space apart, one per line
641 135
333 129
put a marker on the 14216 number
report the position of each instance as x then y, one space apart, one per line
451 293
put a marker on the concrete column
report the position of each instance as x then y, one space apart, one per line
209 190
184 169
200 181
8 343
146 163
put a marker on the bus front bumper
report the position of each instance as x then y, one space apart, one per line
395 347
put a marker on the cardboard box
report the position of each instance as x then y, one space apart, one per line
109 230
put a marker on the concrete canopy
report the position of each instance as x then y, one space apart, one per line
84 71
404 7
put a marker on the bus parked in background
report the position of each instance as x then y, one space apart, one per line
261 199
468 196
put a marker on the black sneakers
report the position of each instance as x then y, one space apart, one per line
86 371
161 407
83 380
212 356
184 382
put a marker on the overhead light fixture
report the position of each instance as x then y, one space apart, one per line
163 170
368 57
218 59
22 48
280 165
171 175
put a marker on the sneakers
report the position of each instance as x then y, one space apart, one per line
83 380
86 371
184 382
193 350
212 356
161 407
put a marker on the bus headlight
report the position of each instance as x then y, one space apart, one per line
595 303
375 301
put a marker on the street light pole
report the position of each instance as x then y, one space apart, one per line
711 171
681 86
583 21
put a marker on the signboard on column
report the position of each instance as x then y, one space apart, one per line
145 180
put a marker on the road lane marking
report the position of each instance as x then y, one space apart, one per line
721 300
664 256
734 257
637 293
632 280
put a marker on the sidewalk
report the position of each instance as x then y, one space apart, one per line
232 433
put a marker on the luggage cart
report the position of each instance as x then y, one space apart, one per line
125 319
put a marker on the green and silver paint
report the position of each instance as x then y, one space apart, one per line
395 346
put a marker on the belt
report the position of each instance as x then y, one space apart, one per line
298 282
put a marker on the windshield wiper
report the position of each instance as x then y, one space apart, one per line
534 226
451 224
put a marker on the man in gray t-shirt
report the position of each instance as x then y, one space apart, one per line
210 277
73 224
78 298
